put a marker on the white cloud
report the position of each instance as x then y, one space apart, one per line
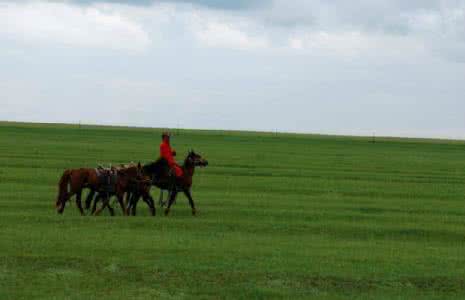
217 34
354 43
443 31
361 26
72 25
345 43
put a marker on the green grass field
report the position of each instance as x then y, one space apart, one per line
279 216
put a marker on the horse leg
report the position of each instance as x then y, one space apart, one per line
127 203
132 206
191 201
60 207
153 210
134 201
89 198
120 198
149 200
106 200
94 206
160 198
112 211
63 203
128 199
173 195
79 203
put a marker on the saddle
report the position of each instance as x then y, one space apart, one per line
107 178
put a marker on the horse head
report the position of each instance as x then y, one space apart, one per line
196 159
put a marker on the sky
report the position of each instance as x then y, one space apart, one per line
383 67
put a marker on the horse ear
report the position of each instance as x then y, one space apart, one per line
138 165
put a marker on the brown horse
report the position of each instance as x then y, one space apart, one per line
163 178
76 180
130 181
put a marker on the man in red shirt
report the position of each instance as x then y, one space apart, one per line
167 153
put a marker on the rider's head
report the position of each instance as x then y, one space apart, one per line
165 136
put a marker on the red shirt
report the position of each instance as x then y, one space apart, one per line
167 153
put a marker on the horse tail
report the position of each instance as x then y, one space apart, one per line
63 188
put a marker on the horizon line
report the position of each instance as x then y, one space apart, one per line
275 132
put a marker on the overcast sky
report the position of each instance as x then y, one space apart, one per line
392 67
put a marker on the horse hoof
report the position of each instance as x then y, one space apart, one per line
167 211
194 212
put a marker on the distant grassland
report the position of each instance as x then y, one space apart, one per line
280 216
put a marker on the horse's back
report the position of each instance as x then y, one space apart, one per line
83 178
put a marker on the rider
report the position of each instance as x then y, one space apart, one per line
167 153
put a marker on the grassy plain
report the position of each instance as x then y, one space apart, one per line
279 216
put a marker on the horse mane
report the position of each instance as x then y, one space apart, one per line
186 161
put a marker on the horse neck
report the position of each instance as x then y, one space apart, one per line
131 171
189 169
147 169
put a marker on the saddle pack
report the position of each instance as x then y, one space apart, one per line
107 178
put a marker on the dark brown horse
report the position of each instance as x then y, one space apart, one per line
163 178
138 188
141 189
131 180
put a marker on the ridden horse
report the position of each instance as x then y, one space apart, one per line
163 178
